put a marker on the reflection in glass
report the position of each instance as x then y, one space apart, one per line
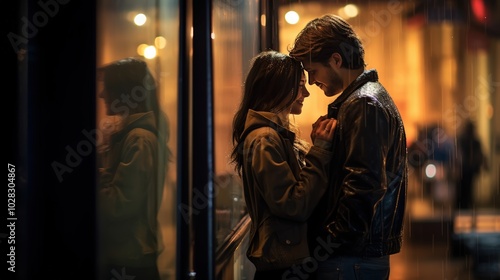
153 40
132 166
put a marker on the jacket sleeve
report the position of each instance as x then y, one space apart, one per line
287 195
365 129
129 187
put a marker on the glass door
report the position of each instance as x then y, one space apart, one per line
137 61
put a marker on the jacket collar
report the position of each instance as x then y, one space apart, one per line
139 120
365 77
257 119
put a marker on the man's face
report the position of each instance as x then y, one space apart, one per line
326 77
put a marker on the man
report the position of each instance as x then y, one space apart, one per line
365 203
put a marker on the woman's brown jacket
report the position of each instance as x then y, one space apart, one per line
279 195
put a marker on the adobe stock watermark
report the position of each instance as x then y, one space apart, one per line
458 114
30 27
381 20
200 200
94 138
121 275
424 149
324 249
232 3
75 155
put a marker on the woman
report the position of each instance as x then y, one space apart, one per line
300 146
279 195
132 172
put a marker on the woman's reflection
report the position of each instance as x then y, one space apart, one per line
132 169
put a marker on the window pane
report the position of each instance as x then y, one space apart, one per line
235 42
137 183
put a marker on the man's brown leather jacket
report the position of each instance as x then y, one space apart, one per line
366 197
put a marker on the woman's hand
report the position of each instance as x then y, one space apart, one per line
323 129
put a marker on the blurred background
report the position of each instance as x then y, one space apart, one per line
438 59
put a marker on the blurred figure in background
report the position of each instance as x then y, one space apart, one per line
471 159
440 165
418 155
132 172
433 156
418 151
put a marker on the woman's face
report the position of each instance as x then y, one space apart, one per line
105 95
296 108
